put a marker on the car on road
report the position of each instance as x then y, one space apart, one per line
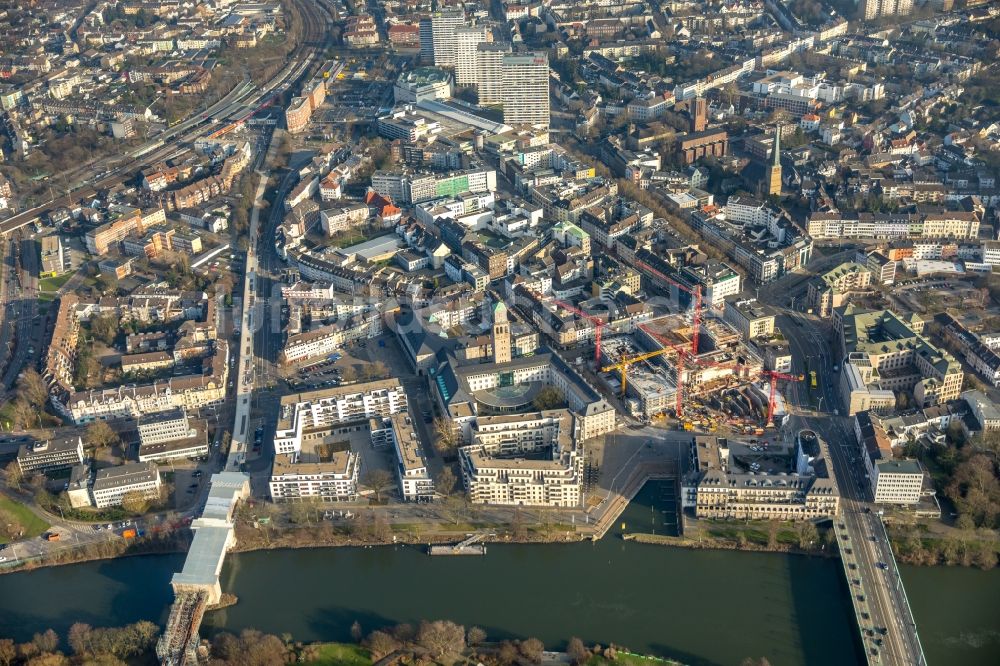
882 565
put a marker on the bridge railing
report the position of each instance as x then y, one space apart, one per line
908 620
860 607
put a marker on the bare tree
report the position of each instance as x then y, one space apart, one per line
25 415
381 644
381 530
577 651
32 387
379 369
446 481
378 480
441 638
475 636
135 502
47 641
99 435
532 649
14 475
7 652
807 533
445 436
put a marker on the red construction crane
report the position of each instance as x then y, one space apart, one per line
695 294
774 377
598 323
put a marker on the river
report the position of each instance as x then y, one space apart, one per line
700 607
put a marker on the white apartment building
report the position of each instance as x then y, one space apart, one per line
341 218
526 89
467 41
112 484
489 71
296 476
873 9
301 413
497 469
443 26
747 210
327 339
415 483
896 481
888 226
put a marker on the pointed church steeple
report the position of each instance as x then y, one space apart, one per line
774 174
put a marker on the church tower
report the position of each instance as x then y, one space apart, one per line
501 334
774 175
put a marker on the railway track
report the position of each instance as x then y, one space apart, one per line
316 38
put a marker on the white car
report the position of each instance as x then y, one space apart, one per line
2 558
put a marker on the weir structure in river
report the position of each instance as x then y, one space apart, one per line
196 586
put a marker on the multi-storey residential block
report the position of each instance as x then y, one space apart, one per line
415 483
303 415
502 465
526 89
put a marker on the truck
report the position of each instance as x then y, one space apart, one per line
51 536
129 533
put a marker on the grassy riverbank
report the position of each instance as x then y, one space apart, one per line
18 522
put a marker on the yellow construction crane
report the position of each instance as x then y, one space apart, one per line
622 366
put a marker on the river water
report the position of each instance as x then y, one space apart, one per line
700 607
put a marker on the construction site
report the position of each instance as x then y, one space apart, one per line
707 380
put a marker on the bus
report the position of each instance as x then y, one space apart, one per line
812 379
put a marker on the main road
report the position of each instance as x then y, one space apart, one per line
889 633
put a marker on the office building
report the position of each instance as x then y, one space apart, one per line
171 434
421 84
730 482
751 318
42 456
112 484
883 354
526 89
896 481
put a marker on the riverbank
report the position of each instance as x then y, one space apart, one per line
174 542
717 544
752 536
